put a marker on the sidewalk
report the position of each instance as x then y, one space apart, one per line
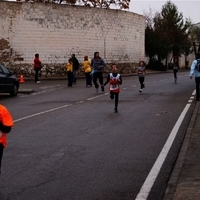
184 183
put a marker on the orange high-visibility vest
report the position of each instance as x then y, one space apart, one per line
5 119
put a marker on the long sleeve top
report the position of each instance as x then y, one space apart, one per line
6 122
87 66
37 63
69 67
193 70
98 64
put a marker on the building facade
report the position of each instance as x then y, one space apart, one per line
56 31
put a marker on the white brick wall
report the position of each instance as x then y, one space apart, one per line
57 31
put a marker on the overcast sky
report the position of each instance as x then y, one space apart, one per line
190 9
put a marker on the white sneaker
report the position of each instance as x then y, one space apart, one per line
38 82
140 90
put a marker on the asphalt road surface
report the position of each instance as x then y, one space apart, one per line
68 144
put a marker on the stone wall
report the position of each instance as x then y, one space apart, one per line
56 31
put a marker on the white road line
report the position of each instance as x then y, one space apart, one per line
194 92
148 184
92 98
97 96
35 93
41 113
79 102
50 86
58 108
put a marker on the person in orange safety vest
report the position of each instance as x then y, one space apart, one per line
114 79
6 122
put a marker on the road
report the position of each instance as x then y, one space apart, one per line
68 144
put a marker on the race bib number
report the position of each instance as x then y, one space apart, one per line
114 87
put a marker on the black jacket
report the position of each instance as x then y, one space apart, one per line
75 63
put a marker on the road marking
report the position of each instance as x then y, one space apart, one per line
92 98
97 96
50 86
79 102
148 184
58 108
41 113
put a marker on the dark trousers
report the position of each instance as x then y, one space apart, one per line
74 76
175 72
36 75
70 78
1 154
98 75
141 80
88 79
116 97
197 81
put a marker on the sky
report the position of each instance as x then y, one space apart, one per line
189 9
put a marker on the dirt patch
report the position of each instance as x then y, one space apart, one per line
4 44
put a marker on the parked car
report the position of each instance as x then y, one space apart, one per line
8 81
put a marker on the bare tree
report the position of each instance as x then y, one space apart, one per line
194 37
121 4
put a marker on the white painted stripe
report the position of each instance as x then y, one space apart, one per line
53 109
79 102
41 113
97 96
50 86
190 101
194 92
148 184
92 98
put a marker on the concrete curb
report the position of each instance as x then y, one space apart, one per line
26 91
172 184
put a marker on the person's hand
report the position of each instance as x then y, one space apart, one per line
190 77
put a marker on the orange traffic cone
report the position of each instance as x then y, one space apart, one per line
21 80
